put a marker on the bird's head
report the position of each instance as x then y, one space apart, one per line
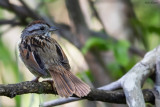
38 27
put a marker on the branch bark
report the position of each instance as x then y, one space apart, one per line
156 90
11 90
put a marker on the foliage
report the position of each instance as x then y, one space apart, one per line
119 48
149 20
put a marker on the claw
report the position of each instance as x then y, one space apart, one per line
36 79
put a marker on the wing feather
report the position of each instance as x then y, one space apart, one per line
32 60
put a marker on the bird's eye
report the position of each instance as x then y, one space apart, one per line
42 28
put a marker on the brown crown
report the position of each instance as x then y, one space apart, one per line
38 22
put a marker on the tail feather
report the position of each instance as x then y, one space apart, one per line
64 89
81 88
64 86
67 84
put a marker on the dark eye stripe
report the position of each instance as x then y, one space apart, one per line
42 28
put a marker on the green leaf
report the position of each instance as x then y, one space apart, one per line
87 73
153 29
97 43
121 52
115 70
18 101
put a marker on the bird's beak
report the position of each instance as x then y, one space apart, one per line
53 28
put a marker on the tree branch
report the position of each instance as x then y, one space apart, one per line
11 22
11 90
19 10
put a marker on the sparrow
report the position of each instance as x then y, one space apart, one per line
44 57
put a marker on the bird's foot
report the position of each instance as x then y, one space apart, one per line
36 79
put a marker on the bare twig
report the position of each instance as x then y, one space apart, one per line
19 10
59 101
10 22
32 13
95 12
137 51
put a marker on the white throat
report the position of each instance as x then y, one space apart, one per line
48 34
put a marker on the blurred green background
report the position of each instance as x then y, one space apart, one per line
121 32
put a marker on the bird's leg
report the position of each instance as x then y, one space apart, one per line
36 79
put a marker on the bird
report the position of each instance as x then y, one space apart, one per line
44 57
